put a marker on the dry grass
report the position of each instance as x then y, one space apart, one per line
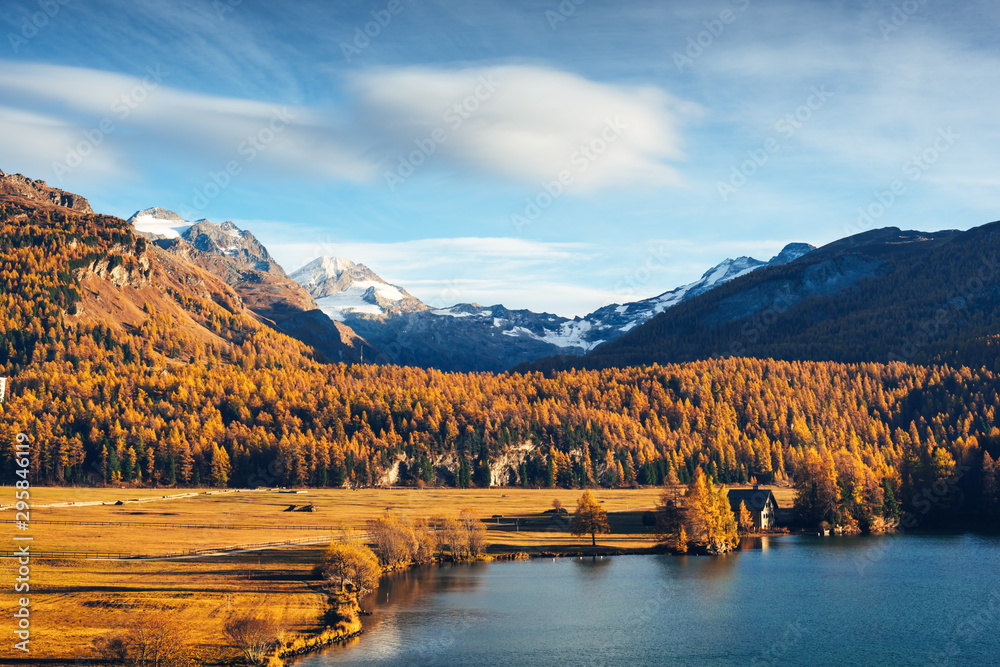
75 601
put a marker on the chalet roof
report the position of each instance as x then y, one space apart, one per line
754 499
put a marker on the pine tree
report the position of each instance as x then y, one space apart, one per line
220 466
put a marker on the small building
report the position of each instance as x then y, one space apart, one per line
760 502
3 389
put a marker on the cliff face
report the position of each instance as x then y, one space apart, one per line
37 192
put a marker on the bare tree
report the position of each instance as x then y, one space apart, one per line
253 635
146 640
393 539
475 533
453 536
424 541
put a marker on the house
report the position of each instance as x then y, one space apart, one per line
760 502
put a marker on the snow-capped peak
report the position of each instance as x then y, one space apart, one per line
342 287
625 317
158 221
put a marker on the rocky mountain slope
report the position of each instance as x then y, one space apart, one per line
615 320
18 188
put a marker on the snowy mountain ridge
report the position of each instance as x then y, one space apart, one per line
344 289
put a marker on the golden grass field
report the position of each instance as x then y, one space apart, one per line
75 600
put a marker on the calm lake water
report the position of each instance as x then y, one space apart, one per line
897 600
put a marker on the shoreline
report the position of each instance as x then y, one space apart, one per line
503 555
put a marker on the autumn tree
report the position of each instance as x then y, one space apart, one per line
746 522
590 518
452 536
708 518
475 532
353 564
817 495
392 539
220 466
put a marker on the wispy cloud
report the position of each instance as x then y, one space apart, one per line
528 123
143 122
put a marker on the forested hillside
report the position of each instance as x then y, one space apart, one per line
129 367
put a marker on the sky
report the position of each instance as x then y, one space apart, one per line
557 155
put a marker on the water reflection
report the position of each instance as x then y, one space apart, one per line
780 599
592 564
408 587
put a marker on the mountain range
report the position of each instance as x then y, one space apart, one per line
363 311
472 337
884 295
881 296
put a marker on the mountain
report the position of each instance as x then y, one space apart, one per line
242 262
21 189
883 295
468 337
158 223
615 320
344 289
471 337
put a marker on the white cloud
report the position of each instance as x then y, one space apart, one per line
528 123
27 138
422 254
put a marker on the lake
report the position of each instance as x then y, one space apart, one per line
898 600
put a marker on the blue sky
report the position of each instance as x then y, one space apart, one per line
541 154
